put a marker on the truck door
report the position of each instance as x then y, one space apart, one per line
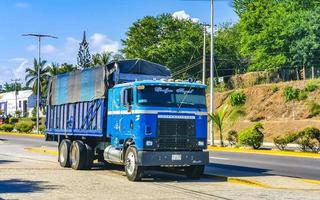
126 111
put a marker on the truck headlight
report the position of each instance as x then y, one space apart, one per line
149 143
201 143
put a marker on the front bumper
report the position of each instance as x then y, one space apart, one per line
169 158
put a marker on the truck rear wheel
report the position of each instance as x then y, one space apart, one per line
133 171
89 159
64 149
195 171
78 155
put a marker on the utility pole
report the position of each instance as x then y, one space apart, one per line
204 53
39 37
212 73
16 93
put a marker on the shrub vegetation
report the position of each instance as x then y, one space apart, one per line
237 98
24 127
252 136
6 127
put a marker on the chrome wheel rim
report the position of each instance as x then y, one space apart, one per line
130 163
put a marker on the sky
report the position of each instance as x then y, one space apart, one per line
105 22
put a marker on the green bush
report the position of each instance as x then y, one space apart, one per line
302 95
13 120
252 136
314 108
232 137
309 139
274 89
6 127
281 142
24 127
311 86
42 128
237 98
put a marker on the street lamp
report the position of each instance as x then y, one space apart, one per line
39 36
212 73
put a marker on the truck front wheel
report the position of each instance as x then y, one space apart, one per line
64 149
78 155
133 171
194 171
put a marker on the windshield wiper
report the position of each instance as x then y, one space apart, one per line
184 98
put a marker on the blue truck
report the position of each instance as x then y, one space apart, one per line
128 113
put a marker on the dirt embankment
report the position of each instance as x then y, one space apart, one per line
270 108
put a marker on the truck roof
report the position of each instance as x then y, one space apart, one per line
164 83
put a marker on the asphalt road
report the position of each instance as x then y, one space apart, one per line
241 162
267 164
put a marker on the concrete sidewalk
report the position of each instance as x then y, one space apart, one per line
262 180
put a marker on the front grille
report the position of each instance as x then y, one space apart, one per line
177 134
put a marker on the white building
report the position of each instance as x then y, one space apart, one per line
25 102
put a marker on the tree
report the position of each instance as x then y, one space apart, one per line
276 34
166 40
227 50
32 77
218 118
101 59
84 57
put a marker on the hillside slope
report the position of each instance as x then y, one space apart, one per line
278 116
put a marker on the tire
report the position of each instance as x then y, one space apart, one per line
89 159
133 171
78 155
64 151
194 172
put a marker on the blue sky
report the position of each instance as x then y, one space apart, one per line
105 21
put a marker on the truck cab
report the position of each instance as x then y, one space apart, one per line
163 123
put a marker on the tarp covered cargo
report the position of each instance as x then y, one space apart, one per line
90 84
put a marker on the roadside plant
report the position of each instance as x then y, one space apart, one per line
13 120
232 137
252 136
314 108
282 142
309 139
290 93
218 119
237 98
24 127
274 89
6 127
311 86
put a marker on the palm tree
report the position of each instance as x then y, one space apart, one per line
221 116
32 76
101 59
54 69
218 118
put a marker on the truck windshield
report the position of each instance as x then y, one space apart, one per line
169 96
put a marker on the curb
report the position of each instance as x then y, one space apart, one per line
240 181
41 150
23 134
267 152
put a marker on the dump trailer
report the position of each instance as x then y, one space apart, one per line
128 113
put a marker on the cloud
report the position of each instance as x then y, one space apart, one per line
19 72
22 5
182 15
101 43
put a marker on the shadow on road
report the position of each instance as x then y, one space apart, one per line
23 186
236 170
155 174
7 161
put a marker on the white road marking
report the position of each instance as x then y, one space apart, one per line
218 158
